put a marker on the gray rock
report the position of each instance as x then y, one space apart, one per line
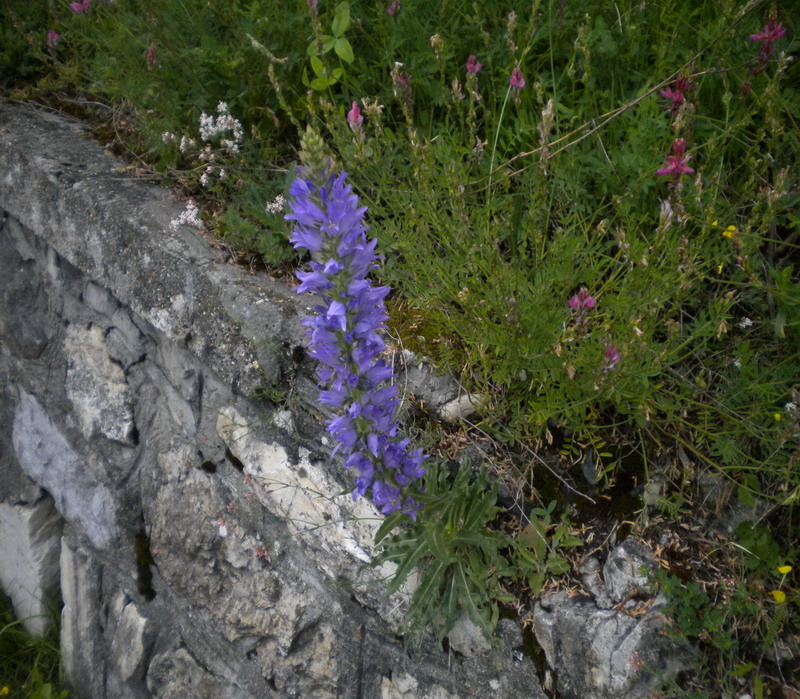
30 547
176 674
628 570
46 457
96 386
128 644
602 652
467 638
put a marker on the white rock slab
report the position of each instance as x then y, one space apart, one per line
30 545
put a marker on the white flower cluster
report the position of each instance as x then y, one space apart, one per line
190 217
187 144
211 128
276 205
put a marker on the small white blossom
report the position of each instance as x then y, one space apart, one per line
790 407
737 363
276 205
204 180
169 137
211 128
190 217
186 144
745 323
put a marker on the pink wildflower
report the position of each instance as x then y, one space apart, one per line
53 38
312 4
675 95
393 8
151 55
473 66
403 79
80 7
355 118
678 95
677 162
517 80
769 35
611 357
582 300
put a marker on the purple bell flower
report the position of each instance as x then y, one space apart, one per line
346 339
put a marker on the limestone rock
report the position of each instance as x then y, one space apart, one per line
467 638
628 570
176 675
30 547
96 386
46 457
603 653
127 646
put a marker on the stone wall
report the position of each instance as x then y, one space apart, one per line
163 472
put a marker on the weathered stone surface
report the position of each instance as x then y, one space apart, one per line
174 674
30 547
46 457
82 642
127 646
96 386
466 638
628 570
603 652
338 532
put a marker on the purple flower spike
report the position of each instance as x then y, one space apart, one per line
346 338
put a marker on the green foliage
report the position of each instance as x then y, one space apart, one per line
325 76
29 666
456 558
462 564
536 555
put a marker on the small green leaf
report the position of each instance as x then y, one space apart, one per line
388 524
435 537
320 84
535 583
341 20
344 50
317 66
557 565
431 580
328 42
780 324
408 564
336 73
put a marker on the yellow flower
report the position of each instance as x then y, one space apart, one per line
778 595
5 690
729 232
778 417
785 570
715 223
